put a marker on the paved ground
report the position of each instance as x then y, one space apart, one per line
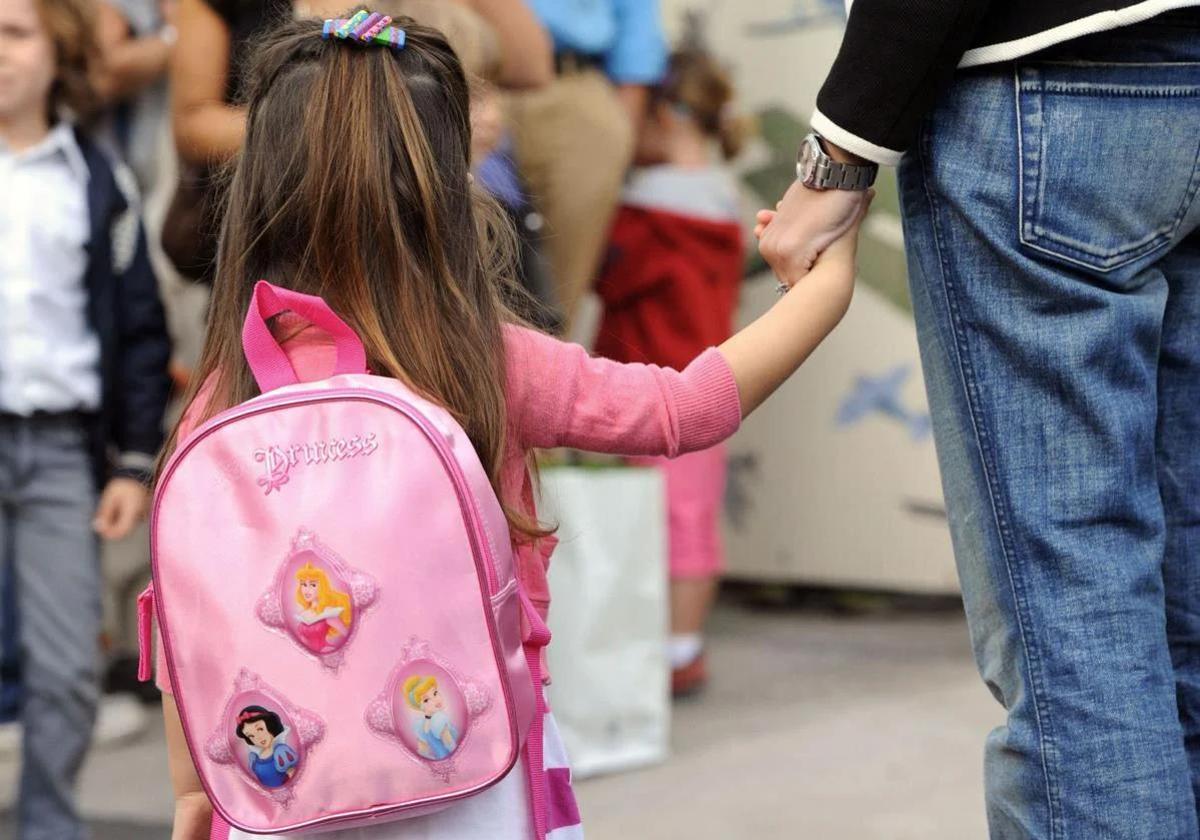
818 725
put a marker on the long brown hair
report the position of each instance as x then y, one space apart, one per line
71 27
353 185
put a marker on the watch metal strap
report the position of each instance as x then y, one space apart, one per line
844 176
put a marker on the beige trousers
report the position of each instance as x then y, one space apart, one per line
574 143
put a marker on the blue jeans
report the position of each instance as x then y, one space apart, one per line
1051 214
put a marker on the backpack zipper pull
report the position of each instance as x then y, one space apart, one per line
145 621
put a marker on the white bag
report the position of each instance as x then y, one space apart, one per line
609 615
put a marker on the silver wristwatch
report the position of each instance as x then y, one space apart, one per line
818 171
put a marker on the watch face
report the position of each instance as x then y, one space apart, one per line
808 159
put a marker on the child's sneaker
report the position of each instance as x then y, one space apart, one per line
689 679
120 718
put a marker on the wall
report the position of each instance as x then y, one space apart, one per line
835 480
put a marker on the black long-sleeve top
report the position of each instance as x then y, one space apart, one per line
898 55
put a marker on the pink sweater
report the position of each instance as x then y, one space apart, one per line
558 395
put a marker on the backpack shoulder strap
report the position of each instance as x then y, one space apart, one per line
537 637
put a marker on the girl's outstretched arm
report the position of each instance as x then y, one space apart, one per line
763 355
558 395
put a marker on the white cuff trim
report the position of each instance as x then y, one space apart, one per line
837 135
1099 22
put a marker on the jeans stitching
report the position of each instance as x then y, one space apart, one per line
1108 91
1042 159
1154 242
1117 64
1028 200
1030 230
1155 239
995 492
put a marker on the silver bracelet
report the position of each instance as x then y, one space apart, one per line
782 288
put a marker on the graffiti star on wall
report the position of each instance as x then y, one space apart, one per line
881 395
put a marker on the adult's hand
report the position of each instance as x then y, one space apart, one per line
805 223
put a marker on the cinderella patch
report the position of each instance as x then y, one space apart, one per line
427 707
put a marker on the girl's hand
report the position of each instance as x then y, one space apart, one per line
785 265
806 222
193 817
122 506
763 355
763 218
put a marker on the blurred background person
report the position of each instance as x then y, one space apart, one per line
477 41
135 40
670 289
209 120
575 137
83 356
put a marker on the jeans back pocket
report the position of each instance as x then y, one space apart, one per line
1109 160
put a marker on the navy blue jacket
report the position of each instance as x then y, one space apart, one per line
126 314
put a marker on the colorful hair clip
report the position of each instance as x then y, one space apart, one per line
361 28
396 36
343 31
365 28
370 32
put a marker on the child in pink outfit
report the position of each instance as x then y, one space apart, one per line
670 288
376 213
556 396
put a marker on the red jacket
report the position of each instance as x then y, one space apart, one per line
669 286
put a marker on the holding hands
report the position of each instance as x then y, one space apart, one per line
804 224
827 200
812 235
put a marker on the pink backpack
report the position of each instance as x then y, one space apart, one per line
335 588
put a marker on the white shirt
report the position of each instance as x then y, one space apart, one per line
49 355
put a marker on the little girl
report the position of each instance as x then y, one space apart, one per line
670 288
353 185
